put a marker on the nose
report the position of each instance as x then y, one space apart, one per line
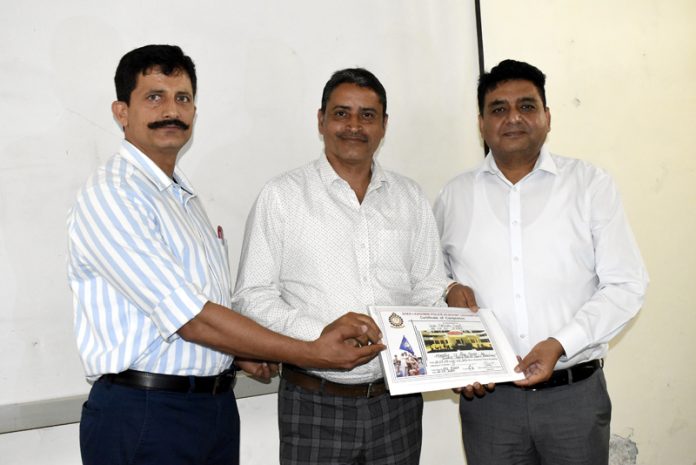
170 109
514 116
353 124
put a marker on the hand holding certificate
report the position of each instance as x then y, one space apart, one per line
432 348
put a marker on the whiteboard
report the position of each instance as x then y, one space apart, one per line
261 69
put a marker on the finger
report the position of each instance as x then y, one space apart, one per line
366 353
535 374
490 387
479 390
362 340
470 298
348 331
522 364
468 392
371 334
522 382
264 374
530 380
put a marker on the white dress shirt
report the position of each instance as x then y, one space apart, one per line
312 252
552 255
143 260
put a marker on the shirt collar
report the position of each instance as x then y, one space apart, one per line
328 175
151 171
544 163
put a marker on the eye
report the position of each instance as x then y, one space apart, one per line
340 113
528 107
154 97
183 98
368 116
498 110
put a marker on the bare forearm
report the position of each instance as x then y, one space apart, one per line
228 331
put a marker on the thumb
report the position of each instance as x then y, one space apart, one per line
522 364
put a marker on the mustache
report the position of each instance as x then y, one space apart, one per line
168 122
352 136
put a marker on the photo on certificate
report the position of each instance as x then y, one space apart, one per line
433 348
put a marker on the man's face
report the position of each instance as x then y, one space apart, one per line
353 124
159 118
514 121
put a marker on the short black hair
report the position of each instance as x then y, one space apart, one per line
358 76
169 59
509 70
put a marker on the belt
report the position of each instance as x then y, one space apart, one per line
224 382
313 383
566 376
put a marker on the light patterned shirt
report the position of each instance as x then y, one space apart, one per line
552 255
312 252
143 260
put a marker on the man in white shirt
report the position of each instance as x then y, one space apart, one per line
337 235
152 292
542 241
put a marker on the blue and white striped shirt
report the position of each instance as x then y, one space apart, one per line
143 260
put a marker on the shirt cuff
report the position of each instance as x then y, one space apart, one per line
573 339
177 309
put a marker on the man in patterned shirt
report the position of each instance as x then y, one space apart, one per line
151 287
337 235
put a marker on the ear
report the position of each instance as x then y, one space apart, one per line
320 121
120 112
480 121
386 120
548 119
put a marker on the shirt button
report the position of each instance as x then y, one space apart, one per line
515 222
516 259
517 296
522 336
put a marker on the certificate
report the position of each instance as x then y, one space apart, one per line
433 348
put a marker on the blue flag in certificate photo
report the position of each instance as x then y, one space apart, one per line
405 345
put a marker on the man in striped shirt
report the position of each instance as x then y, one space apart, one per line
152 294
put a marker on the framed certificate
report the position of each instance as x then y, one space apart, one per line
433 348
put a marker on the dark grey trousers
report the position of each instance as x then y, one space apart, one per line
564 425
323 429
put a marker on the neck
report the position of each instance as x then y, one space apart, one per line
166 164
516 166
164 159
357 175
